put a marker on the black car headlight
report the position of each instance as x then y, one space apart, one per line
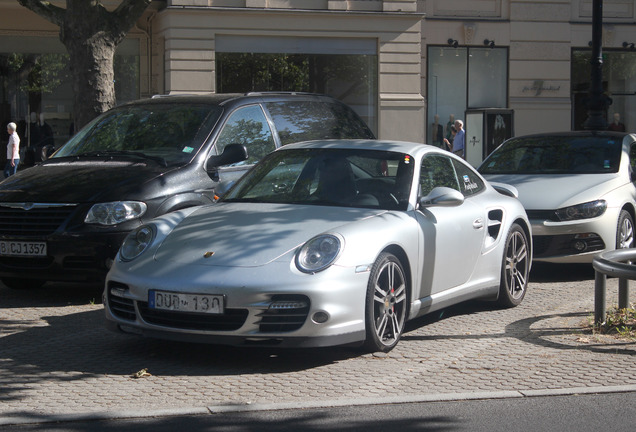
586 210
137 242
318 253
112 213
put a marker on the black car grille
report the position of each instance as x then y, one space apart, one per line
543 215
231 319
285 319
548 246
119 306
38 221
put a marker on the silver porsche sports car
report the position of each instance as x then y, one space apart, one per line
324 243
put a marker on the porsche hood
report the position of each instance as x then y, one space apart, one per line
250 234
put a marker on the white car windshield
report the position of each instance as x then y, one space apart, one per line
555 155
334 177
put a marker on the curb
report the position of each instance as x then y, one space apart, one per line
34 418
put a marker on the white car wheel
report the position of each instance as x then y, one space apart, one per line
625 231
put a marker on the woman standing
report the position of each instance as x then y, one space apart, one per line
13 151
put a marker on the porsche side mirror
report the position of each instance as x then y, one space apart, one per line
232 153
442 196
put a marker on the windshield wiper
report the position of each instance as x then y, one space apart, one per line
99 153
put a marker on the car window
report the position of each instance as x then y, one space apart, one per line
437 170
247 126
469 181
173 132
632 156
333 177
297 121
557 154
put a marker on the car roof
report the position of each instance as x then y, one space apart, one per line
410 148
233 98
574 134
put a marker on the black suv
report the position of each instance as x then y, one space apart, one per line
64 219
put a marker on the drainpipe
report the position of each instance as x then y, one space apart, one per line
597 102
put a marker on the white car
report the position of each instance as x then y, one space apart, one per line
577 188
324 243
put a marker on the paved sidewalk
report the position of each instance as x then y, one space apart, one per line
58 362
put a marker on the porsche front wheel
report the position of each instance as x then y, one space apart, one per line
386 304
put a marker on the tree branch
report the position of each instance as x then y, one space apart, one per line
128 12
46 10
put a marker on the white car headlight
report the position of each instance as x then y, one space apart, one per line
112 213
587 210
318 253
137 242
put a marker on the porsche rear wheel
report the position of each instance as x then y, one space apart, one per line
386 304
515 268
625 231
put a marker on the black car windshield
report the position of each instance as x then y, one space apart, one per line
555 155
171 133
334 177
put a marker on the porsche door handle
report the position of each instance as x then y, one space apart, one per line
478 224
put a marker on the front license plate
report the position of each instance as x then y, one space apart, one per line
21 248
181 302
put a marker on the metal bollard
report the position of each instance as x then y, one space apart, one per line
616 263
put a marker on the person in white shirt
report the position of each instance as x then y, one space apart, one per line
13 151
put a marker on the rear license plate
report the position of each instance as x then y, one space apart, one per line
23 249
181 302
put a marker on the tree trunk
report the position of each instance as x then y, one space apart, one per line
93 77
90 34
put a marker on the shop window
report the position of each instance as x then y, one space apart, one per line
350 78
619 83
36 88
464 78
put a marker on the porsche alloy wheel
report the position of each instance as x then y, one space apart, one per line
386 304
515 268
625 231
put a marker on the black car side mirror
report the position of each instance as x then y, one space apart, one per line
232 153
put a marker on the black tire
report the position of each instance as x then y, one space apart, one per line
515 268
23 284
386 304
625 231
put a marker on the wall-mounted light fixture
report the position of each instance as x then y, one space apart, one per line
453 43
489 43
629 45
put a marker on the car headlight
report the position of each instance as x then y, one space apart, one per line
318 253
112 213
137 242
587 210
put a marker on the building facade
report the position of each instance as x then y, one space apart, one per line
504 66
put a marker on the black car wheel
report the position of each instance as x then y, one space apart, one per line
515 268
386 304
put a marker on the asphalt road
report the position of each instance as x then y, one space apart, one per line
576 413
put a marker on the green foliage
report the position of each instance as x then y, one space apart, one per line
39 73
621 322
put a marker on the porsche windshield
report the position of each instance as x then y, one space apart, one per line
171 133
335 177
555 155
